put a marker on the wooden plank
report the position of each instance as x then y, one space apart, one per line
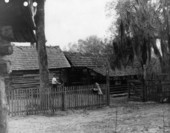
69 93
11 102
82 97
86 96
77 97
90 96
14 103
60 98
72 97
67 96
33 102
92 100
56 99
23 81
20 104
63 99
17 96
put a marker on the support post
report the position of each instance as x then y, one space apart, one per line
144 82
128 90
108 85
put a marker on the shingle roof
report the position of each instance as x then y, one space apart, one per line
26 58
97 64
79 60
123 72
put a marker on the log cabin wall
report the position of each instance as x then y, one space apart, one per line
30 79
25 68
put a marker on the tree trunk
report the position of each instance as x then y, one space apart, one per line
3 107
6 49
42 53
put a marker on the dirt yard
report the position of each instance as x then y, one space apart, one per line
120 117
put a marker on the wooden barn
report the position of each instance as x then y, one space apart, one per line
25 68
88 69
84 69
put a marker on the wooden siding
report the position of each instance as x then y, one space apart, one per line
30 79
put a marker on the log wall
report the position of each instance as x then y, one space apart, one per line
28 79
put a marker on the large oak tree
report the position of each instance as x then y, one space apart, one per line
139 24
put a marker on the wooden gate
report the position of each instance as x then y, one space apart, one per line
152 90
158 91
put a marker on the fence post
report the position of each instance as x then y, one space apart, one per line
63 99
144 82
128 89
108 85
144 91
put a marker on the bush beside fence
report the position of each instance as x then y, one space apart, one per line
27 101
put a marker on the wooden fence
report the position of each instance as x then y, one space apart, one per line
158 91
118 90
27 101
152 90
135 90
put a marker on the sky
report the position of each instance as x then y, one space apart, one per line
69 20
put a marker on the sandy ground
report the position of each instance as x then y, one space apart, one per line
120 117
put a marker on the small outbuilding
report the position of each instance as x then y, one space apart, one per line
88 69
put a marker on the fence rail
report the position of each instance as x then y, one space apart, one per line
31 101
118 90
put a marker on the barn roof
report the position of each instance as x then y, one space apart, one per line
83 60
97 64
19 18
26 58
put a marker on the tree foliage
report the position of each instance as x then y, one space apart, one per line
95 46
139 24
91 45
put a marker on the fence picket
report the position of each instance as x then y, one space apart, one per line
81 97
11 102
78 93
84 101
73 97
